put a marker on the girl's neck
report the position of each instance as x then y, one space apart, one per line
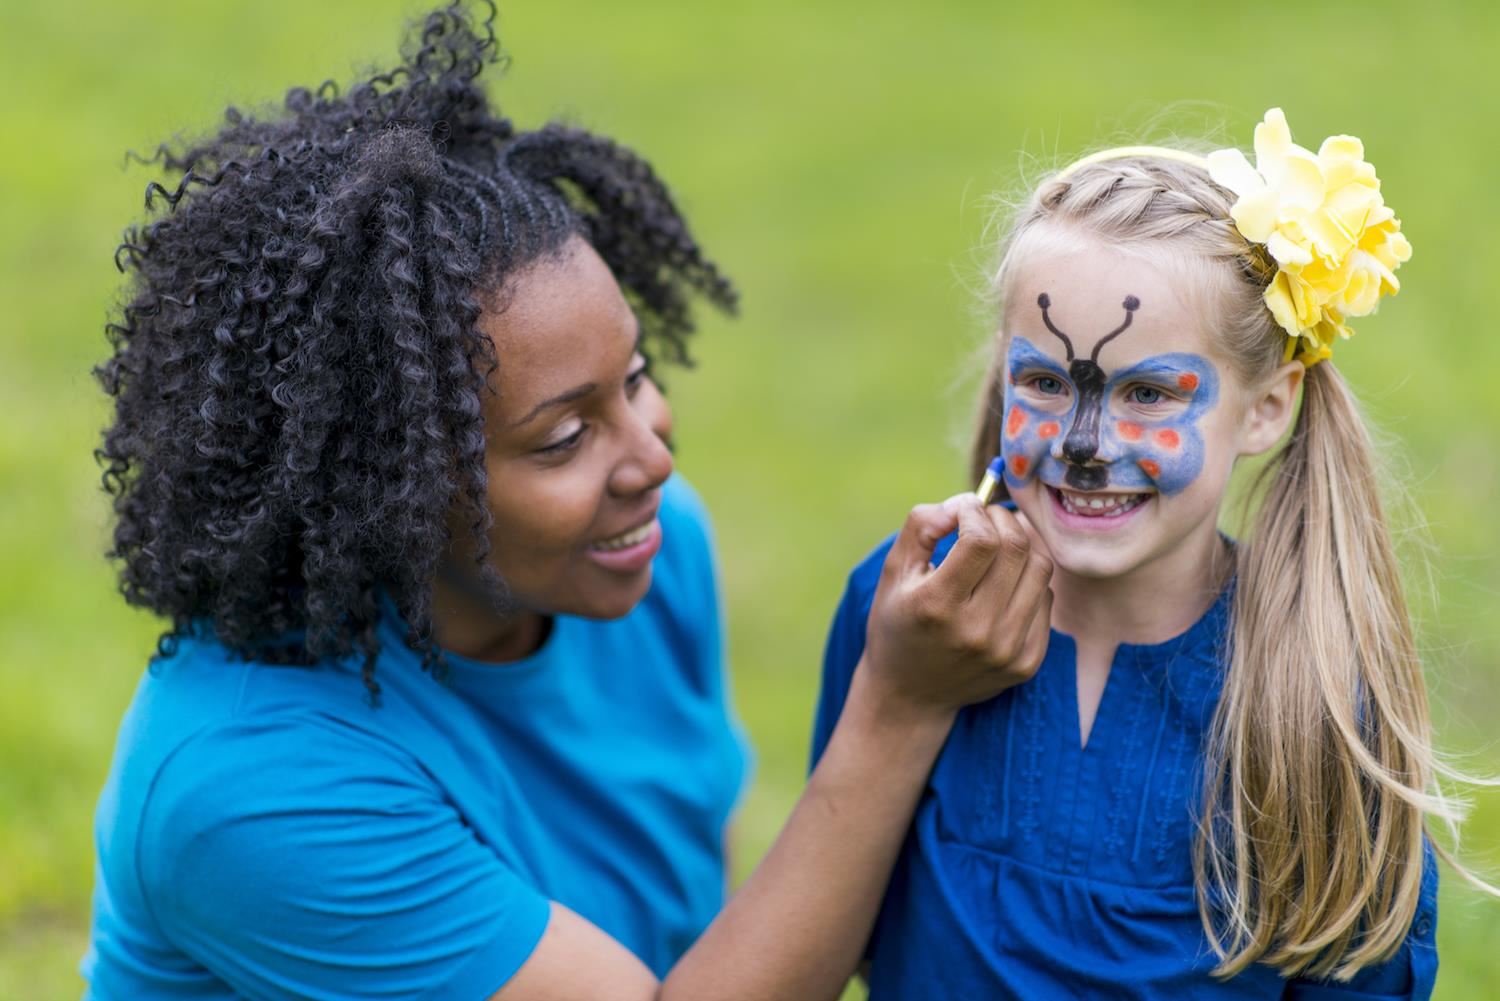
1151 604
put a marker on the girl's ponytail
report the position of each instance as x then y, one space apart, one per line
1320 767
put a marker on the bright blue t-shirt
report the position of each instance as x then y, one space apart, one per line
1038 869
265 832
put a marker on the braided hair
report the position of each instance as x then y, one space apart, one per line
297 369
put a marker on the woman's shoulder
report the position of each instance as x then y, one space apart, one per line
200 753
205 710
687 531
252 834
685 572
203 714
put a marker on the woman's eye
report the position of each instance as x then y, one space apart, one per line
565 444
1146 396
637 375
1048 385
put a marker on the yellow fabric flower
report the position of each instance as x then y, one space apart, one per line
1323 220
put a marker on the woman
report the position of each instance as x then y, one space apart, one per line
440 712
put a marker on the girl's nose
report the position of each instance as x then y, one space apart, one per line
1096 447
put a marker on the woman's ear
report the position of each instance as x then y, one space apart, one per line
1271 408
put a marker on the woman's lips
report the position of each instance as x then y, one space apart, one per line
630 551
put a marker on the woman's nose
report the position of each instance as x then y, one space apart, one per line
648 461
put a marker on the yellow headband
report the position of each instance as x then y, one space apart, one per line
1320 216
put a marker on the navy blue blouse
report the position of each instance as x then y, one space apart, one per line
1037 868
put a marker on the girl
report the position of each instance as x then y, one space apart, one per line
440 710
1217 783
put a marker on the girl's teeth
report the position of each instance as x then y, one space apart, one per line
626 540
1095 506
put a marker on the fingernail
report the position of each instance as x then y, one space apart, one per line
958 501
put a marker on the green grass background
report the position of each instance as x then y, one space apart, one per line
838 159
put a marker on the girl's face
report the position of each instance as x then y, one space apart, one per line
576 442
1121 423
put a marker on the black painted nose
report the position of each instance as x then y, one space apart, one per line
1082 442
1081 445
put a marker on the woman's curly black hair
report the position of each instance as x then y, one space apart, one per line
298 371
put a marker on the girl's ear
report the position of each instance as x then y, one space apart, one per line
1271 409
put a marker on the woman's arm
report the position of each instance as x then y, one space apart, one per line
938 639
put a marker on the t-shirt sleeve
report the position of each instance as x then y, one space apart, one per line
303 859
1409 975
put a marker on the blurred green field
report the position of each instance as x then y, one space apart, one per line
838 160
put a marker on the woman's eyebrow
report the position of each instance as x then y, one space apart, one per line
577 392
565 397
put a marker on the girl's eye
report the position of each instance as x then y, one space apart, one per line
1048 385
564 445
1147 396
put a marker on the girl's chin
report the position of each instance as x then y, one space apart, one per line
1093 546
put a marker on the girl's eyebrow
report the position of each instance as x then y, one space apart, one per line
1167 366
1023 354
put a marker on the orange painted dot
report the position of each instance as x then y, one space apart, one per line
1130 430
1048 429
1015 422
1187 381
1168 437
1019 465
1150 468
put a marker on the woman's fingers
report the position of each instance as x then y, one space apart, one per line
1031 532
1013 609
974 626
972 556
994 592
911 553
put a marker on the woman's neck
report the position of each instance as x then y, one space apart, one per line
467 620
1151 604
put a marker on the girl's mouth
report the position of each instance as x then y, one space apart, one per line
1099 510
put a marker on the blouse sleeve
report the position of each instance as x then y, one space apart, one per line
1409 974
846 638
846 644
298 859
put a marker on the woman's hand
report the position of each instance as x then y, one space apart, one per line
942 638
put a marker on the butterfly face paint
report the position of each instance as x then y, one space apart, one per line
1133 431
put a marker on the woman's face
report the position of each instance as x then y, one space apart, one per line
576 441
1121 424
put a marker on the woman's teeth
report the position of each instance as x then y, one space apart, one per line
624 541
1099 506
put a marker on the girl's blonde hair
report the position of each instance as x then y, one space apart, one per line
1320 771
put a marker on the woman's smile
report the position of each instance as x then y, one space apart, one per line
630 551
